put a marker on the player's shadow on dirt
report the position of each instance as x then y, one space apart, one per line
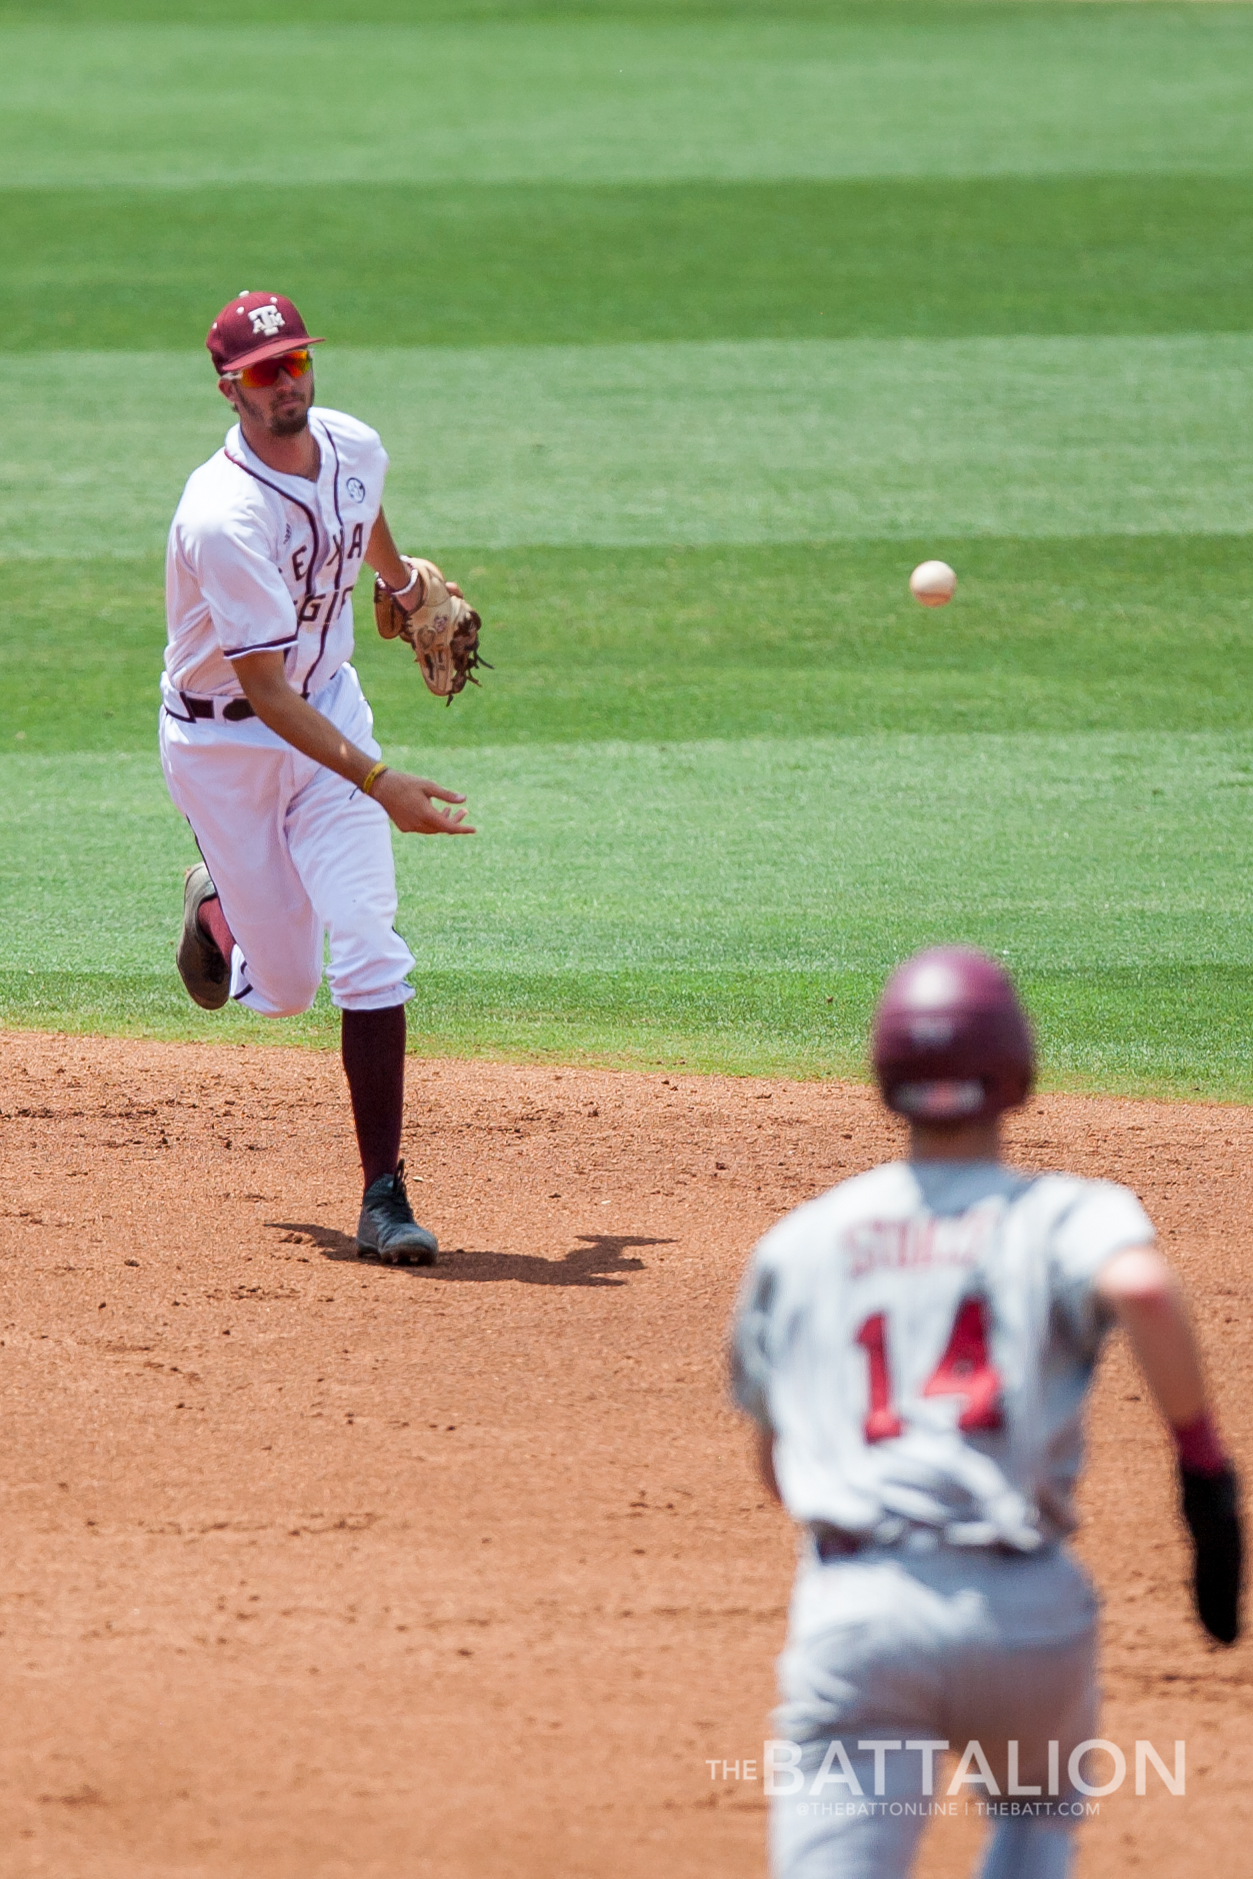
601 1261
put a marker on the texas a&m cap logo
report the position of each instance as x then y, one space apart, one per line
266 320
255 326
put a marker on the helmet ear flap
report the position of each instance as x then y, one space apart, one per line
940 1099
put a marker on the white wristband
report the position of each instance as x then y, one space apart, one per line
398 593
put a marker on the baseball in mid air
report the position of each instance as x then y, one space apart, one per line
933 583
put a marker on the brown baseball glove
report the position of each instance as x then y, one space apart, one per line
443 629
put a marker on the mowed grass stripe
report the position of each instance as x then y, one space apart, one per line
556 264
842 13
1115 633
954 91
754 441
1103 849
79 13
620 900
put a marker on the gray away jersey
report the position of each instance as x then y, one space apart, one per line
920 1341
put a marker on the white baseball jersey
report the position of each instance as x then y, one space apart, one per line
262 562
920 1341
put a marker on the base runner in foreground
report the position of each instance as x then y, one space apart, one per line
915 1348
267 741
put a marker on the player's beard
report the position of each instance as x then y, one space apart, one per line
278 423
290 423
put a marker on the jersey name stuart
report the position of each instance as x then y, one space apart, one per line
258 561
920 1242
920 1341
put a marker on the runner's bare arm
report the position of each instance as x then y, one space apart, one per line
763 1449
1150 1305
1152 1309
410 801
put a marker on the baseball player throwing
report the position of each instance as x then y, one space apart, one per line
267 740
915 1348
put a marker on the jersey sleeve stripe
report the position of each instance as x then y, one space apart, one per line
269 645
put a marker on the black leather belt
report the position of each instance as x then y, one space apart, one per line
834 1543
203 708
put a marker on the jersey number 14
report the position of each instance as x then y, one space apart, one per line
965 1369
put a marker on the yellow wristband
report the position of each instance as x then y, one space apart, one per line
371 777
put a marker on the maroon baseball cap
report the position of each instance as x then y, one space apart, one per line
255 326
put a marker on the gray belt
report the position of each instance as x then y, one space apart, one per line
837 1543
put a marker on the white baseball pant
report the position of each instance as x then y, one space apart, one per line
950 1646
298 857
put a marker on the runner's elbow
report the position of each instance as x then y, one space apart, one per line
1140 1277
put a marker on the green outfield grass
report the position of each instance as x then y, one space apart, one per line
1101 849
731 442
747 94
689 329
727 905
670 644
545 264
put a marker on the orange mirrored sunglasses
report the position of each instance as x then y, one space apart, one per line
265 372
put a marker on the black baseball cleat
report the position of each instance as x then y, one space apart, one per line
201 965
387 1228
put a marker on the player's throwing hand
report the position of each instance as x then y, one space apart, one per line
410 802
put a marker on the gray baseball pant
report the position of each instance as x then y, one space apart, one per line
893 1655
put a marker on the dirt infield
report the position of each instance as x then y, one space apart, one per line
312 1568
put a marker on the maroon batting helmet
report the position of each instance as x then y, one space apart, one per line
951 1041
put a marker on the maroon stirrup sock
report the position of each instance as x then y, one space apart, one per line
373 1046
213 922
